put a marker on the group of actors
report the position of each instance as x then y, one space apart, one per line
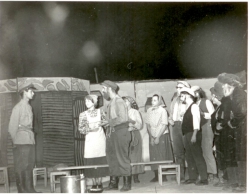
188 133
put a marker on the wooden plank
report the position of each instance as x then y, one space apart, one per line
106 165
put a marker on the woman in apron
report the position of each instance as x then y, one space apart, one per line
135 148
90 124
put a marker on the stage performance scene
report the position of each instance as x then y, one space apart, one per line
123 97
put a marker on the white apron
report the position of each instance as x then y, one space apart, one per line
95 142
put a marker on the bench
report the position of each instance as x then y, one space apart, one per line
106 165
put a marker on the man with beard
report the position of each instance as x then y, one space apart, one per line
233 88
118 138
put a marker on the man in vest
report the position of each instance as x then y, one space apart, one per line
118 138
177 110
22 135
192 140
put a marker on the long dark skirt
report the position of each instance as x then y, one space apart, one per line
96 173
136 152
161 151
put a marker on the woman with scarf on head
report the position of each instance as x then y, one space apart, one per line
135 124
159 140
206 110
224 138
90 124
233 88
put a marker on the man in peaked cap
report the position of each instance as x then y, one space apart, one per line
177 110
22 135
118 138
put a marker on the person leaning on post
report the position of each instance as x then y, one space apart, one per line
22 135
177 110
118 138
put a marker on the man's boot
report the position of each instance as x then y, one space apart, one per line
29 181
20 183
113 184
126 183
136 178
155 179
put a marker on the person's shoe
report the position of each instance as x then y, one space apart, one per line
113 184
28 175
183 181
155 179
99 186
136 178
201 182
126 183
189 181
229 187
240 189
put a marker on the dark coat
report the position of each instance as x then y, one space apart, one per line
239 120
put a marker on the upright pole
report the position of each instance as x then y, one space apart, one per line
96 75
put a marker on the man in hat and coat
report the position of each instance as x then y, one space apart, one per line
118 138
22 135
233 88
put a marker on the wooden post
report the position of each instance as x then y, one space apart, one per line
96 75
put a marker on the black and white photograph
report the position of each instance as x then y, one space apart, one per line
123 96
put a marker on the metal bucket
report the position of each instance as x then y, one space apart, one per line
70 184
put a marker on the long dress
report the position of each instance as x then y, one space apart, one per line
156 117
135 148
95 142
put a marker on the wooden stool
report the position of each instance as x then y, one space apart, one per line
53 181
6 178
40 171
169 166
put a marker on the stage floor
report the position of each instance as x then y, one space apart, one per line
143 187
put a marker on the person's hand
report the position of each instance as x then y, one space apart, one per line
131 121
230 125
202 113
171 122
193 139
218 126
156 141
104 123
152 141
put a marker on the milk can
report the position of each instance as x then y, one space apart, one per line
73 184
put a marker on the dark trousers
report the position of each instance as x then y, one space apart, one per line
178 146
24 157
117 152
194 156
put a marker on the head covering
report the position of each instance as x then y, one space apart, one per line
184 83
230 79
160 103
217 90
110 84
195 88
26 86
93 97
132 102
188 90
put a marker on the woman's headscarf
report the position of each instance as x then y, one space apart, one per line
132 102
160 103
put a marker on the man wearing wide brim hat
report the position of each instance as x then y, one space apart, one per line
232 87
118 138
192 140
177 110
22 135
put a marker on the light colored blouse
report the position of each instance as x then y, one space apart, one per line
156 117
135 116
